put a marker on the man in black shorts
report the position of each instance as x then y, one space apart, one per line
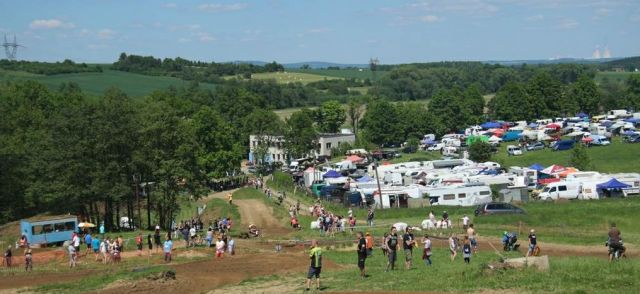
362 254
408 241
316 264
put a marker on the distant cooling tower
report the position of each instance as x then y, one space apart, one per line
607 52
596 54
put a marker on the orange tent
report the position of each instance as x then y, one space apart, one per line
567 171
354 158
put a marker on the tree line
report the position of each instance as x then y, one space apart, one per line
48 68
64 152
187 69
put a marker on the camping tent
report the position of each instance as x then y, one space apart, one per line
511 136
533 125
632 120
582 115
332 174
491 125
536 166
612 184
553 126
554 169
354 158
472 139
567 171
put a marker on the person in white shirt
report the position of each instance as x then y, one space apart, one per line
103 251
350 212
220 247
72 256
426 255
192 234
465 222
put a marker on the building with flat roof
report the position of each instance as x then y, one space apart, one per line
275 150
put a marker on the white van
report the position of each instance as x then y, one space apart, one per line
561 190
514 150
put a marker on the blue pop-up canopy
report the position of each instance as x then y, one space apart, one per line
536 166
632 120
332 174
612 184
490 125
582 115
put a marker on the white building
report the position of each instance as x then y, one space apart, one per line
328 141
275 151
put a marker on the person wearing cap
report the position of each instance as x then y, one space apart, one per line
369 241
533 242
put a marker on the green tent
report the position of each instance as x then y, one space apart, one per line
471 139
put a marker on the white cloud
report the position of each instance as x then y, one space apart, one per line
170 5
205 37
430 18
51 24
105 34
216 7
184 40
537 17
567 24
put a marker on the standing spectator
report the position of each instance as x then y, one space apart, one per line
95 245
102 229
7 256
408 241
362 253
88 241
192 235
209 237
72 256
120 241
316 264
167 248
385 249
156 237
350 212
28 260
453 247
139 243
471 233
24 243
220 246
533 242
465 222
370 216
426 254
352 223
392 247
231 246
466 250
149 243
75 240
230 198
103 250
185 236
369 241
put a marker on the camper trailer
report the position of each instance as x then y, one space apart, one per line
617 113
391 198
461 195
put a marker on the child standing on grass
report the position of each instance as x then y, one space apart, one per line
426 255
466 250
167 248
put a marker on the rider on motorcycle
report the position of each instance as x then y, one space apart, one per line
615 243
253 230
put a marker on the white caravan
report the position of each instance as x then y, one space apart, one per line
462 195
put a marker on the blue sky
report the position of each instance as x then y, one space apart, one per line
345 31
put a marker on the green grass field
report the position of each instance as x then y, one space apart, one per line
342 73
617 157
96 84
287 77
613 76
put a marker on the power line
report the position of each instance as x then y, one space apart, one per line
11 48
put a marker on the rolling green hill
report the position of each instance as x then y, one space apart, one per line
613 76
287 77
134 85
342 73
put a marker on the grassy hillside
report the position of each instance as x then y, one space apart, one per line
342 73
614 76
135 85
287 77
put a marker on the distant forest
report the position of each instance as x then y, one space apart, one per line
47 68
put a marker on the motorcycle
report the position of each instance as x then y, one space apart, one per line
616 249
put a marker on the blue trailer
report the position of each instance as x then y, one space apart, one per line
54 230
